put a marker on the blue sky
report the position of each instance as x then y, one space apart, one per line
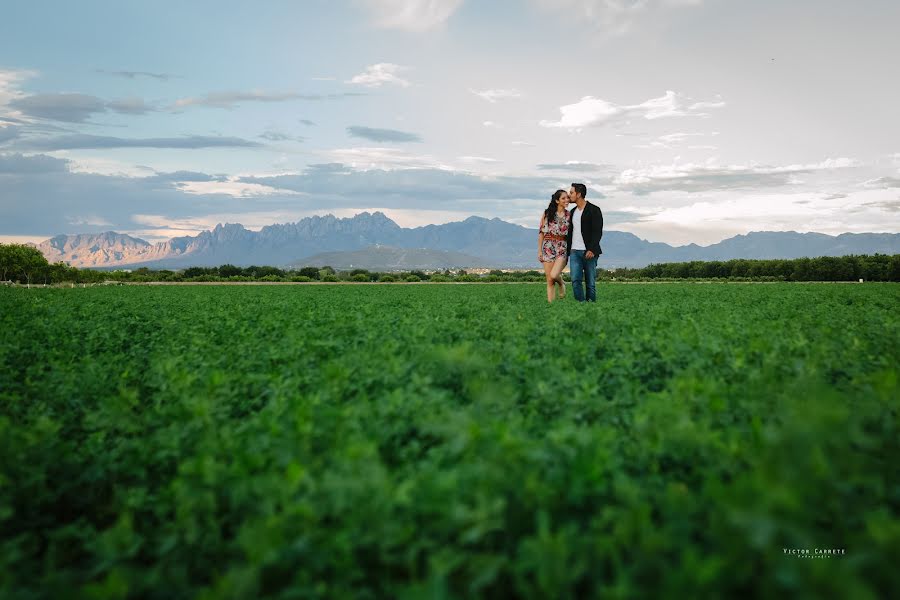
690 120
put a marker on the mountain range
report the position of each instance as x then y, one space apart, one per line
487 242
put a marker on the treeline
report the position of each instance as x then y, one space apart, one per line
25 264
877 267
309 274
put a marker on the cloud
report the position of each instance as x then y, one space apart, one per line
93 221
42 198
137 74
306 122
362 158
883 183
232 187
784 211
573 166
181 176
493 96
74 108
382 135
17 164
492 124
444 188
8 133
891 206
596 112
521 143
10 84
129 106
231 99
613 17
691 177
277 136
82 141
478 159
412 15
378 74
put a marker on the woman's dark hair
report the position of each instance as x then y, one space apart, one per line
550 213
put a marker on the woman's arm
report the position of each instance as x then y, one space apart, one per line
541 238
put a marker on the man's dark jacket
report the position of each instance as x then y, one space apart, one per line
591 228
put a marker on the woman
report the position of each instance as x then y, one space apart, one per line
554 228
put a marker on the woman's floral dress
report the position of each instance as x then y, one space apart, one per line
555 233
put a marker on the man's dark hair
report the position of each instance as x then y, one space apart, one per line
581 189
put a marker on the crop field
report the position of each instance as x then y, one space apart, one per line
450 441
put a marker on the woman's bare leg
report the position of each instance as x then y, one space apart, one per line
548 267
556 274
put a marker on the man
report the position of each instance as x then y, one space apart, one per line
583 244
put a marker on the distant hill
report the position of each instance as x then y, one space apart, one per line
93 250
495 243
389 258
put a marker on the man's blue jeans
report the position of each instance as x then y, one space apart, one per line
583 270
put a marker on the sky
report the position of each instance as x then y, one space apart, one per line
690 121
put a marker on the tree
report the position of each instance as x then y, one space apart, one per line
229 271
9 257
60 271
18 262
199 271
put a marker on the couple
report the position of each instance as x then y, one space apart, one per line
574 233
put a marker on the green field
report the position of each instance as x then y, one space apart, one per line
449 441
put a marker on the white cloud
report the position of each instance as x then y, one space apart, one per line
10 90
230 99
103 166
412 15
802 212
378 74
679 218
232 187
882 183
827 164
493 96
521 143
93 221
477 159
701 177
613 17
366 159
596 112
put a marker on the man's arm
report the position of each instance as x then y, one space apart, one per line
597 226
596 233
